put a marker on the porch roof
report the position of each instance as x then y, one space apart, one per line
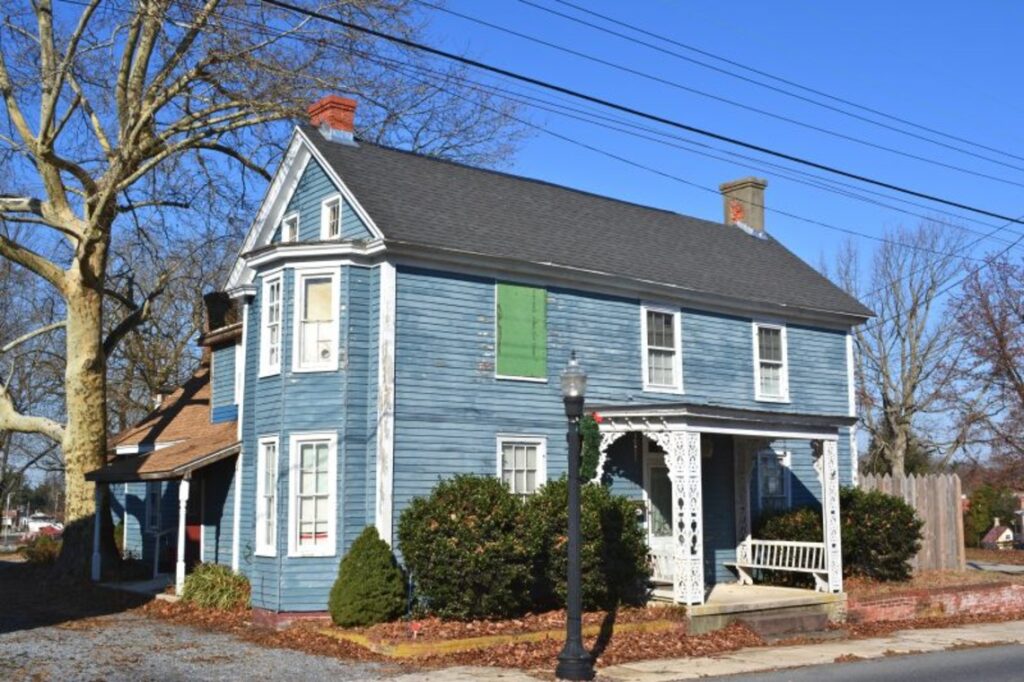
174 439
666 416
172 462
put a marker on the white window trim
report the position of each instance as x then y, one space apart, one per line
512 377
298 304
677 364
298 225
324 234
785 460
294 442
542 453
266 369
783 374
264 548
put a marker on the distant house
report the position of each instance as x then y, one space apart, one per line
998 537
395 319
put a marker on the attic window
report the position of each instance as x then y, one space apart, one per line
290 228
330 218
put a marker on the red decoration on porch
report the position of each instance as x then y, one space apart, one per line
598 418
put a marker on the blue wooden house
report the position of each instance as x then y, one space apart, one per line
395 319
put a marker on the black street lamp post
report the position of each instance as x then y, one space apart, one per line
574 663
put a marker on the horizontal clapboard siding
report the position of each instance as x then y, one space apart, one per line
450 407
313 187
223 404
290 403
218 507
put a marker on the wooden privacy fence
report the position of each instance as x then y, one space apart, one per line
936 497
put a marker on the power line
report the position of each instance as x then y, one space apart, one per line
731 102
985 262
759 72
637 112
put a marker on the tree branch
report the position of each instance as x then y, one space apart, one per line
12 420
31 335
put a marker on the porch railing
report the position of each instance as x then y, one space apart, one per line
661 566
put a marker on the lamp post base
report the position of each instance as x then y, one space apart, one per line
574 665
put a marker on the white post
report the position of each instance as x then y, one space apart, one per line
179 574
96 567
830 515
682 455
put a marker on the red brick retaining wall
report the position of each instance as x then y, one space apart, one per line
939 601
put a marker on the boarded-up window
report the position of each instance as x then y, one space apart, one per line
522 330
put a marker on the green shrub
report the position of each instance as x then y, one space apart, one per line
370 587
42 549
590 447
466 550
613 554
880 533
216 586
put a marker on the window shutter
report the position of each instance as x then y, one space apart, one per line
522 331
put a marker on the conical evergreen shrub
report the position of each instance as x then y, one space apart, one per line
370 587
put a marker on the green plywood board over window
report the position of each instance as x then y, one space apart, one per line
522 331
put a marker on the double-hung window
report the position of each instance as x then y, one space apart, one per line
522 332
773 480
266 497
270 330
312 504
290 228
522 463
662 349
316 320
771 373
330 218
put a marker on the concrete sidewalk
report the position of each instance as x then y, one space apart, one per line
758 659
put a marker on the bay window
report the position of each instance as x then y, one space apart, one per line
270 329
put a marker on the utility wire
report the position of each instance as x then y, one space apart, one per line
986 261
637 112
731 102
764 74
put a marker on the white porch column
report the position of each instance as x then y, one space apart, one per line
179 574
97 569
682 456
830 514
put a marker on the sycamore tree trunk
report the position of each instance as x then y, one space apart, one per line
85 436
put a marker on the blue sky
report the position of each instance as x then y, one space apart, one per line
951 66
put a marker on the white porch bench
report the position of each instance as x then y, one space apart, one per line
781 555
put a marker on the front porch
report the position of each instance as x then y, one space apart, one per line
705 475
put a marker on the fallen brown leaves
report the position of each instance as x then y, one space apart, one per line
435 629
883 628
996 556
863 587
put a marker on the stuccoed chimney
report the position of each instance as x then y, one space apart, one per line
743 203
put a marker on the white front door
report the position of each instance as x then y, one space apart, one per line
658 502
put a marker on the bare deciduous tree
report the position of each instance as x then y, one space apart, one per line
132 125
904 357
989 326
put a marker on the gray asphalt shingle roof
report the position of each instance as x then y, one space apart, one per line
423 200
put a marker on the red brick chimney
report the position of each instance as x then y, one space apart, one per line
334 114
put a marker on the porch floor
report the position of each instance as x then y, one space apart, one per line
736 598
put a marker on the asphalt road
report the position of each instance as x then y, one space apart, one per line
1003 663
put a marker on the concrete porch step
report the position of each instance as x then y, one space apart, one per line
786 622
